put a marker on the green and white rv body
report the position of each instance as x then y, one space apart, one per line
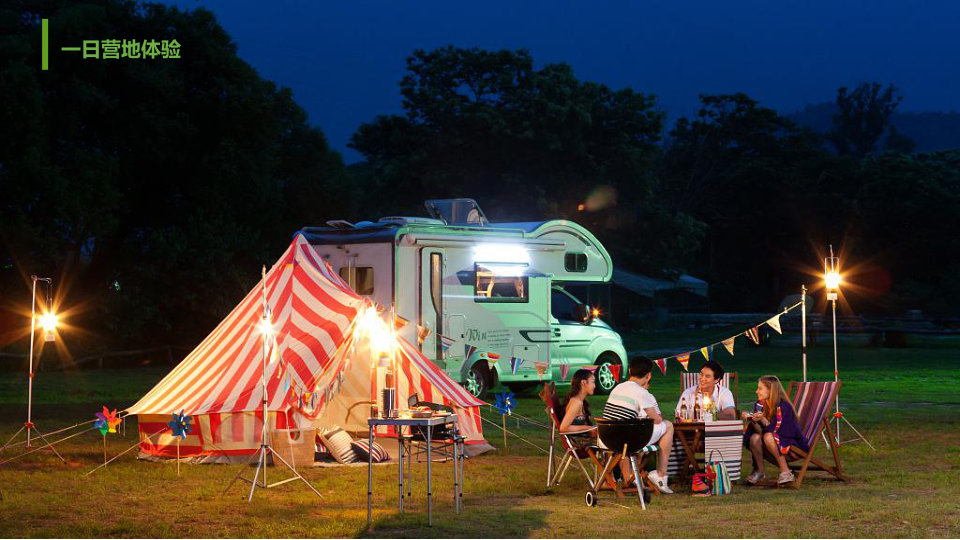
493 291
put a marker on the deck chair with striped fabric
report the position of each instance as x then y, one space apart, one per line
571 452
689 379
812 401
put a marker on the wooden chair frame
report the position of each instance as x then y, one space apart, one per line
808 462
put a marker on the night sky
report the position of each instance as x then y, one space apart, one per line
344 60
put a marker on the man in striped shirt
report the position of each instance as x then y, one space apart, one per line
632 400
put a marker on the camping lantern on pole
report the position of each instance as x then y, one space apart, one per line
267 335
832 280
48 321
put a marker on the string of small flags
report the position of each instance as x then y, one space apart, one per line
752 333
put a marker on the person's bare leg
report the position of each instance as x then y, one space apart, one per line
756 450
666 444
772 447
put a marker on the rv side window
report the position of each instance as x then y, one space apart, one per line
500 283
360 278
575 262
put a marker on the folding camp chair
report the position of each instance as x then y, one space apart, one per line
443 438
571 451
691 379
811 401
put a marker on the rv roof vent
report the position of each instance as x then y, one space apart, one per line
340 224
402 220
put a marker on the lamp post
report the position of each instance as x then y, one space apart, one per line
48 321
832 280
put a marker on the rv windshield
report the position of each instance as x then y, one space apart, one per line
563 306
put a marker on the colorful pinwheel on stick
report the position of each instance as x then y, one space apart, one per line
180 427
505 402
106 422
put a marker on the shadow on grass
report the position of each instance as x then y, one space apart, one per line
470 523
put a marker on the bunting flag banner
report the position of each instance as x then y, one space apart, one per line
728 344
662 364
684 359
445 342
515 364
422 333
541 369
564 371
774 323
615 371
468 351
589 368
754 335
399 322
705 351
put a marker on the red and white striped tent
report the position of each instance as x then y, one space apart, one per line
313 372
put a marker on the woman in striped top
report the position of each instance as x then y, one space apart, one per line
772 425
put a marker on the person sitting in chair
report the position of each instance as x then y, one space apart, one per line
773 425
632 399
708 384
576 416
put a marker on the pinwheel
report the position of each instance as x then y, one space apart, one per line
179 427
107 422
505 401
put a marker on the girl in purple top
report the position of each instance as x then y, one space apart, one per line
772 425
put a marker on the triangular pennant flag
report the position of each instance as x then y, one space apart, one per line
468 351
662 364
446 342
774 323
684 359
753 334
541 369
564 371
728 344
615 371
515 364
422 333
399 322
705 351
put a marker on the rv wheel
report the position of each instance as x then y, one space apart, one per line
605 378
476 381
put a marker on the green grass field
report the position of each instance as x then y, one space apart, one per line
904 400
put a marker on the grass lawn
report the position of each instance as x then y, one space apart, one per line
903 400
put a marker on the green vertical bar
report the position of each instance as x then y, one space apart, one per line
45 62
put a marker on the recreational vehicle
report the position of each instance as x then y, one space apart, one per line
484 301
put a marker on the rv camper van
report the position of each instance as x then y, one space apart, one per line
484 301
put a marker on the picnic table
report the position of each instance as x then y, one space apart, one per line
693 442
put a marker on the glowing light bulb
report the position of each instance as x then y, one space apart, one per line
832 280
48 321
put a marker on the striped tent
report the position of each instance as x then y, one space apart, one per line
309 372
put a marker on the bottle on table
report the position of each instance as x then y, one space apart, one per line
696 408
683 409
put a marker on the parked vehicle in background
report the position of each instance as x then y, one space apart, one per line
488 298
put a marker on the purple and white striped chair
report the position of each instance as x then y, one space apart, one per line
812 401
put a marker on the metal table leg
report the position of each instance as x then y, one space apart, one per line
429 476
370 479
456 475
400 469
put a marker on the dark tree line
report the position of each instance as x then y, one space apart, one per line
153 190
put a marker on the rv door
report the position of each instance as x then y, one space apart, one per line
431 303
